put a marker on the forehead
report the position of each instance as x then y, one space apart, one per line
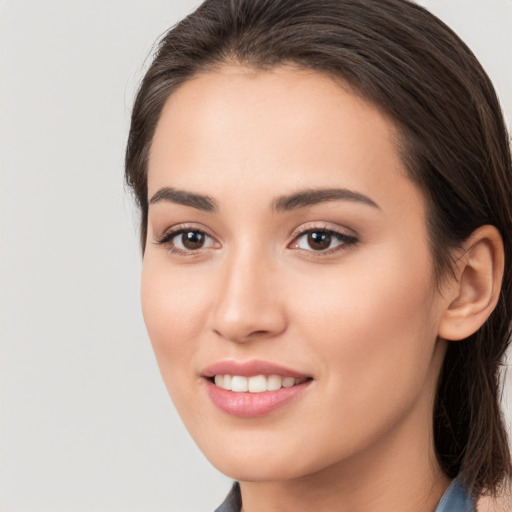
242 130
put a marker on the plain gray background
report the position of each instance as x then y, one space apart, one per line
85 421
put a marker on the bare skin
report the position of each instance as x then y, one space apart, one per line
502 503
361 315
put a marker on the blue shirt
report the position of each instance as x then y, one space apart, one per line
455 499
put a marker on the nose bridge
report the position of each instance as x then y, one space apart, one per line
247 305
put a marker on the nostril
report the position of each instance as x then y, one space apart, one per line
243 337
258 333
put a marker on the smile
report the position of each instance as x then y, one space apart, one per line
255 384
253 388
247 404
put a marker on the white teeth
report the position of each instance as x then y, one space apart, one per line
288 382
239 384
274 382
255 384
227 382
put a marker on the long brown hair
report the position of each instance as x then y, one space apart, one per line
453 142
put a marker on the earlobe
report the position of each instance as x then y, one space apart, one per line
473 295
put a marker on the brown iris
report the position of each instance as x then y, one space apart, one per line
192 240
319 240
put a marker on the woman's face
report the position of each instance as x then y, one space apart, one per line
287 249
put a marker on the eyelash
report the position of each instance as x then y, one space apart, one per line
346 241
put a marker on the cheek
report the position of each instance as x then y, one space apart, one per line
175 312
372 332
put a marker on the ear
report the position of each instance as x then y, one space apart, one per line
473 295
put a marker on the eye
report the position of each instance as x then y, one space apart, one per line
190 240
186 241
323 240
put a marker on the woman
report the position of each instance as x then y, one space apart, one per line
325 196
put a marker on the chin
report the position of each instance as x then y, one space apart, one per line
265 459
257 471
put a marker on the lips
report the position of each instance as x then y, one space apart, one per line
252 388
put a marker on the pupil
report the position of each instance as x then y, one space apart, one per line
192 240
319 241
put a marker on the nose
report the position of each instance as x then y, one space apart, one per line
248 306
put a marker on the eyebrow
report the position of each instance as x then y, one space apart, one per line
185 198
315 196
285 203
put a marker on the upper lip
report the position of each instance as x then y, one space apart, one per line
250 369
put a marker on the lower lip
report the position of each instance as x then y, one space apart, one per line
249 405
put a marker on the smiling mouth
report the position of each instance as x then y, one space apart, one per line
256 383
